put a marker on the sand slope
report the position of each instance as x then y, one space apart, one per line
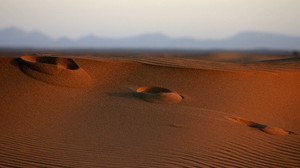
105 125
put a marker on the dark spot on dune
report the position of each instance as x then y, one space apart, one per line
158 95
54 70
262 127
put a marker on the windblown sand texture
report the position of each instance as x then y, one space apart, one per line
218 113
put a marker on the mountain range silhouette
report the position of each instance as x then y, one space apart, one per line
16 38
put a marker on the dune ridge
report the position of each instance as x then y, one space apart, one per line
285 64
43 125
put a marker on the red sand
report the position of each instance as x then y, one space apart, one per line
102 124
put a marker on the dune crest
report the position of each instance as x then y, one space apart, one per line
54 70
158 95
262 127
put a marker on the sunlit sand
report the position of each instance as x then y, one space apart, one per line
223 110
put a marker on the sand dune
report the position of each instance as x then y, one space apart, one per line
157 95
262 127
103 124
54 70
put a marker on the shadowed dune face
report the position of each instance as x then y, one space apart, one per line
54 70
158 95
49 65
262 127
67 63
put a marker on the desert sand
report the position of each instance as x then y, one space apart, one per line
223 110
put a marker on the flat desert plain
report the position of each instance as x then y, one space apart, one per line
218 110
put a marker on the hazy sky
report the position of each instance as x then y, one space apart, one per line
177 18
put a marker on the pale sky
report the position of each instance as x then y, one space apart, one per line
202 19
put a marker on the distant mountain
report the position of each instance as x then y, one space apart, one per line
13 37
262 40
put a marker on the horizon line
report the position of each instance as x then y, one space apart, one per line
145 34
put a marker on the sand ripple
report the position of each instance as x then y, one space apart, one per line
259 151
46 126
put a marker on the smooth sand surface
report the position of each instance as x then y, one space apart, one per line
149 112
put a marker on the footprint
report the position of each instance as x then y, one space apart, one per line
54 70
158 95
262 127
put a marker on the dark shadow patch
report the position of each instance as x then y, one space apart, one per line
15 62
262 127
158 95
54 70
121 94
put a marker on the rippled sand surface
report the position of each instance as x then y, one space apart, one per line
227 113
